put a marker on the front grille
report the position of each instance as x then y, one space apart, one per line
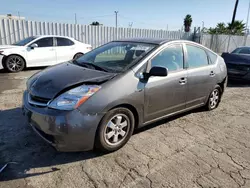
37 101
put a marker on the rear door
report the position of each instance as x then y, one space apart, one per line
201 76
65 49
44 54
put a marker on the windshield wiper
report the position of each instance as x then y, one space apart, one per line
91 64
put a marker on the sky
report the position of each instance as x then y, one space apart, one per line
154 14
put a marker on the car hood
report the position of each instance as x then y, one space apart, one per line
2 47
54 80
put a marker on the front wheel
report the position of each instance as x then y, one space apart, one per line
14 63
214 98
115 130
77 55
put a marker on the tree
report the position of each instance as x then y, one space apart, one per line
220 28
188 22
95 23
237 28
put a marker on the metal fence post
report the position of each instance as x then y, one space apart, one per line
228 42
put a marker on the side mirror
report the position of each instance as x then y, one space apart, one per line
158 71
34 45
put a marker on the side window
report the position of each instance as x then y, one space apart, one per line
212 57
64 42
45 42
244 51
197 57
171 58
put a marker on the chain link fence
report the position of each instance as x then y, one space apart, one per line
223 43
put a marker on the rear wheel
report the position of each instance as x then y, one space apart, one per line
14 63
115 130
214 98
77 55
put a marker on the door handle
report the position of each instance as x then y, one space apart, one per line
212 73
183 81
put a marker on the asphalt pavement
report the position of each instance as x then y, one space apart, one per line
195 149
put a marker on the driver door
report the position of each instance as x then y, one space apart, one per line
44 54
166 95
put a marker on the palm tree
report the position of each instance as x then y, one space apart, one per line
221 28
95 23
188 22
237 28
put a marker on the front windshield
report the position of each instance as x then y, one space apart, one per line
24 41
115 56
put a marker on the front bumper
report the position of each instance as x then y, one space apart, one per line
237 74
64 130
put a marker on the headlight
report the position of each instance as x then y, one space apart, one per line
89 47
74 98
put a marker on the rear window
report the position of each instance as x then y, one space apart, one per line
212 57
64 42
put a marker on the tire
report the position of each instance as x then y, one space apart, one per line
14 63
214 98
77 55
111 138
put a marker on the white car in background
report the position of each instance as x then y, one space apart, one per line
43 50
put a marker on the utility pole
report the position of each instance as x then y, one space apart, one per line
75 19
233 18
246 30
234 13
116 12
18 13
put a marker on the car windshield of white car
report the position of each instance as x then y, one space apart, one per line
24 41
116 56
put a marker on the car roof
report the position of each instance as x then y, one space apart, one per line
53 36
243 47
158 41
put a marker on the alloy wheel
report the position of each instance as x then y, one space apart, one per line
15 64
214 98
117 129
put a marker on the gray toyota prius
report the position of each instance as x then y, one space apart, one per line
100 98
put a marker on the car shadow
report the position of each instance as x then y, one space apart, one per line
18 143
166 120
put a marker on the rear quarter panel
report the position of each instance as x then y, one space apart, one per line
81 47
221 69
